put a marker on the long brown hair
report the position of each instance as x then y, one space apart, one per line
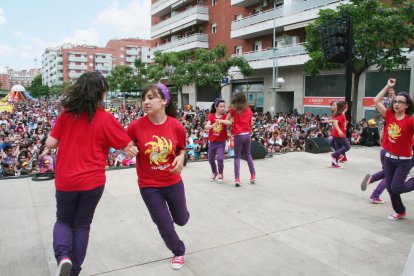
86 95
239 102
340 107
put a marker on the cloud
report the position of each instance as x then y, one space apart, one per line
84 36
2 17
5 51
130 20
19 34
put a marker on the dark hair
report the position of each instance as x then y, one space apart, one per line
216 103
86 94
340 107
410 108
170 109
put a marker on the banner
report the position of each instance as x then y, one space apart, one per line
320 101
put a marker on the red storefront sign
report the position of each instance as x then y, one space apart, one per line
368 102
320 101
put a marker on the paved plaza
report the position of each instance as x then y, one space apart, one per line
300 218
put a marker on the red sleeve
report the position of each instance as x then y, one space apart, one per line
115 133
180 137
57 128
131 131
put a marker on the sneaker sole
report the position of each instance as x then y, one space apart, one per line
364 183
252 181
237 185
64 270
394 219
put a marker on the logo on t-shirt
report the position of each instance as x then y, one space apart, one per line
217 129
394 131
158 151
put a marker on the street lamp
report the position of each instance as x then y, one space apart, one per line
276 82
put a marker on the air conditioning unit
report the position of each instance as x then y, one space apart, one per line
264 3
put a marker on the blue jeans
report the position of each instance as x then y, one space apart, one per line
74 215
167 206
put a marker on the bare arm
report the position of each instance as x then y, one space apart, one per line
51 143
378 98
228 121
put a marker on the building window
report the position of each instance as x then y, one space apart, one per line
214 28
91 64
214 2
238 50
90 56
122 48
238 16
122 56
257 46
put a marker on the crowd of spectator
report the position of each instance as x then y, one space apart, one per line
23 134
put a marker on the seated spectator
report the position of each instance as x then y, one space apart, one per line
8 170
24 170
46 167
370 135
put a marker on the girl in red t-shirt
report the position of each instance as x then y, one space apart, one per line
242 116
84 133
397 141
339 133
217 137
160 138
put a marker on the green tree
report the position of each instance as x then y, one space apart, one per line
174 66
212 67
59 89
37 89
122 78
383 35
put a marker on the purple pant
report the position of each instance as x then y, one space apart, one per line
242 142
168 206
342 146
74 214
396 171
213 149
379 176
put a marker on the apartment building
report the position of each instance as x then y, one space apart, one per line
248 28
12 77
66 63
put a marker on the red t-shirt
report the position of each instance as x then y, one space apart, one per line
242 121
219 132
342 126
84 147
158 146
399 134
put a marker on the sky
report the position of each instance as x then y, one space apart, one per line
27 28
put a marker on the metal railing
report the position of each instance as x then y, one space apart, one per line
281 12
183 41
179 16
285 51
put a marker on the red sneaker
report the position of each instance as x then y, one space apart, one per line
220 178
237 182
213 176
65 265
342 158
252 178
177 262
396 216
335 165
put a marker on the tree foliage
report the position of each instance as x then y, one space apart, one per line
123 78
37 89
212 66
383 35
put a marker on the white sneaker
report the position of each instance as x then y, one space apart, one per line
64 267
177 262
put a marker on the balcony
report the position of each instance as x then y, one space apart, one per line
77 67
162 7
77 59
74 75
186 43
290 55
130 59
131 52
103 59
262 23
245 3
103 68
180 21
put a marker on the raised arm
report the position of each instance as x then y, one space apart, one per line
378 98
